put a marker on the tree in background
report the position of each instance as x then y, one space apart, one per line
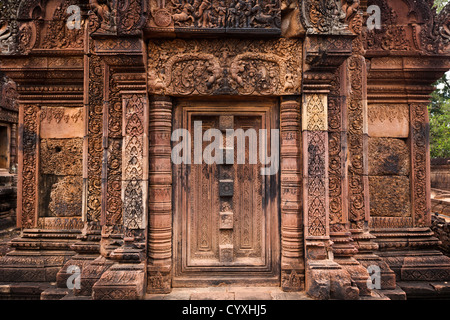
439 111
440 4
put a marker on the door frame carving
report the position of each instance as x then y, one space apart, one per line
269 275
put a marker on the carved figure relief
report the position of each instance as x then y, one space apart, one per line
106 14
322 16
216 15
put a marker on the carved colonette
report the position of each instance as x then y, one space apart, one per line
292 262
160 196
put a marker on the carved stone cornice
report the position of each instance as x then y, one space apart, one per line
46 79
392 79
416 31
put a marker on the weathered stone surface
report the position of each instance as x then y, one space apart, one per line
98 105
61 156
388 156
390 196
61 123
66 197
441 228
388 121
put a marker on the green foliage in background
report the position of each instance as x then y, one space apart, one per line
439 111
440 4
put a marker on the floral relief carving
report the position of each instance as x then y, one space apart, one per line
206 67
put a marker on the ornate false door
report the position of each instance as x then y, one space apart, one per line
226 215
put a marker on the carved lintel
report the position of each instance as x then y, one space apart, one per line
271 68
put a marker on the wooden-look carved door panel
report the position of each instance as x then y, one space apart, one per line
226 215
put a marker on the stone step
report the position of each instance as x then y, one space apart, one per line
8 191
8 179
229 293
22 290
425 289
71 296
54 293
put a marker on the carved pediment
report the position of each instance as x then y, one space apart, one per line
208 67
409 25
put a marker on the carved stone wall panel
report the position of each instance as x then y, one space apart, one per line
400 30
316 206
315 117
388 156
61 157
390 222
357 142
390 196
160 196
55 33
388 120
323 17
66 197
60 223
113 207
216 16
112 122
218 67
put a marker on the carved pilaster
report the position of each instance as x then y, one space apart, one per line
160 196
324 277
125 178
343 246
95 135
292 262
358 180
27 206
420 165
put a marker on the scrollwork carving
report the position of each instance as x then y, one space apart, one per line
206 67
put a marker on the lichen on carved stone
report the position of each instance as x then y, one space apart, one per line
61 156
390 196
66 197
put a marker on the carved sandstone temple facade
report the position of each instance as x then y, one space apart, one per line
98 104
